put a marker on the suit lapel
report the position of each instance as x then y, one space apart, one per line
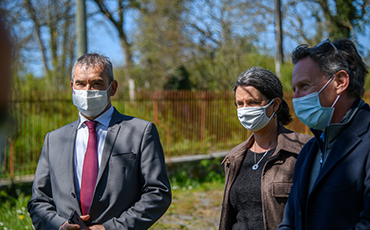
344 145
69 151
305 174
110 139
70 135
347 140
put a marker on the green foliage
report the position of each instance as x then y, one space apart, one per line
34 113
13 204
179 80
221 71
28 82
15 216
192 174
367 82
188 123
286 76
12 193
212 167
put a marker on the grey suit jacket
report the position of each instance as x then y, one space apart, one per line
132 189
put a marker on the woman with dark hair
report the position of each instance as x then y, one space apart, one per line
259 171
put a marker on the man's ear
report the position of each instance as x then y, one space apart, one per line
113 88
341 81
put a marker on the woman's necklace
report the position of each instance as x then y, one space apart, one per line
256 165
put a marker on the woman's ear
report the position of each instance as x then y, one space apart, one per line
276 104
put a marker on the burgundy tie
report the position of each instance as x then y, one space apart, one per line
90 169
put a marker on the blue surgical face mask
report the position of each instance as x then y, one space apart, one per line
310 112
254 118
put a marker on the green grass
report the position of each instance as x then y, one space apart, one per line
193 207
15 216
13 204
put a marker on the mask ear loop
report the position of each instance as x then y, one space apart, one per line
268 105
325 85
109 86
324 88
335 101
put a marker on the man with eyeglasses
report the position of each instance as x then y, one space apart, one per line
331 185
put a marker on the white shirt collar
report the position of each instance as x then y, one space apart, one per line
103 119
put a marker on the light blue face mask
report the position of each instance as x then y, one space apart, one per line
310 112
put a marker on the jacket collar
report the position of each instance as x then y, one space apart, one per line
284 142
326 140
110 140
347 139
344 145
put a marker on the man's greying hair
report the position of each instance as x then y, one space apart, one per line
94 59
330 62
269 85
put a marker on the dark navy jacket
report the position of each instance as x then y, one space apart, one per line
340 197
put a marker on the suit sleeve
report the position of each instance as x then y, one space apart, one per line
156 191
41 207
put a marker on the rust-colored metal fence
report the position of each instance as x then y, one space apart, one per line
188 123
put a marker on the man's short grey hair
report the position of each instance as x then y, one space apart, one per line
94 59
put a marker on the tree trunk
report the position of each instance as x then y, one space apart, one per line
279 39
31 12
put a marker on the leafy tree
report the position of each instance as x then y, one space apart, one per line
45 28
225 37
344 17
206 43
161 42
117 15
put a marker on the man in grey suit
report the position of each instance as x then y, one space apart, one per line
112 173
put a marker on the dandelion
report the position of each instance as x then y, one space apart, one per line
21 217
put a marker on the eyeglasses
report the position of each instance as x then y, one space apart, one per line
328 41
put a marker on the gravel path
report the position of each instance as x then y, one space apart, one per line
193 210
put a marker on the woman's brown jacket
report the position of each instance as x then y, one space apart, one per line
276 178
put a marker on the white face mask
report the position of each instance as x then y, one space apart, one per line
254 118
90 102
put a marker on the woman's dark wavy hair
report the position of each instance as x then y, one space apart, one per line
269 85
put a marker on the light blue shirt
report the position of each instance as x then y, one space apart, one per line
82 137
